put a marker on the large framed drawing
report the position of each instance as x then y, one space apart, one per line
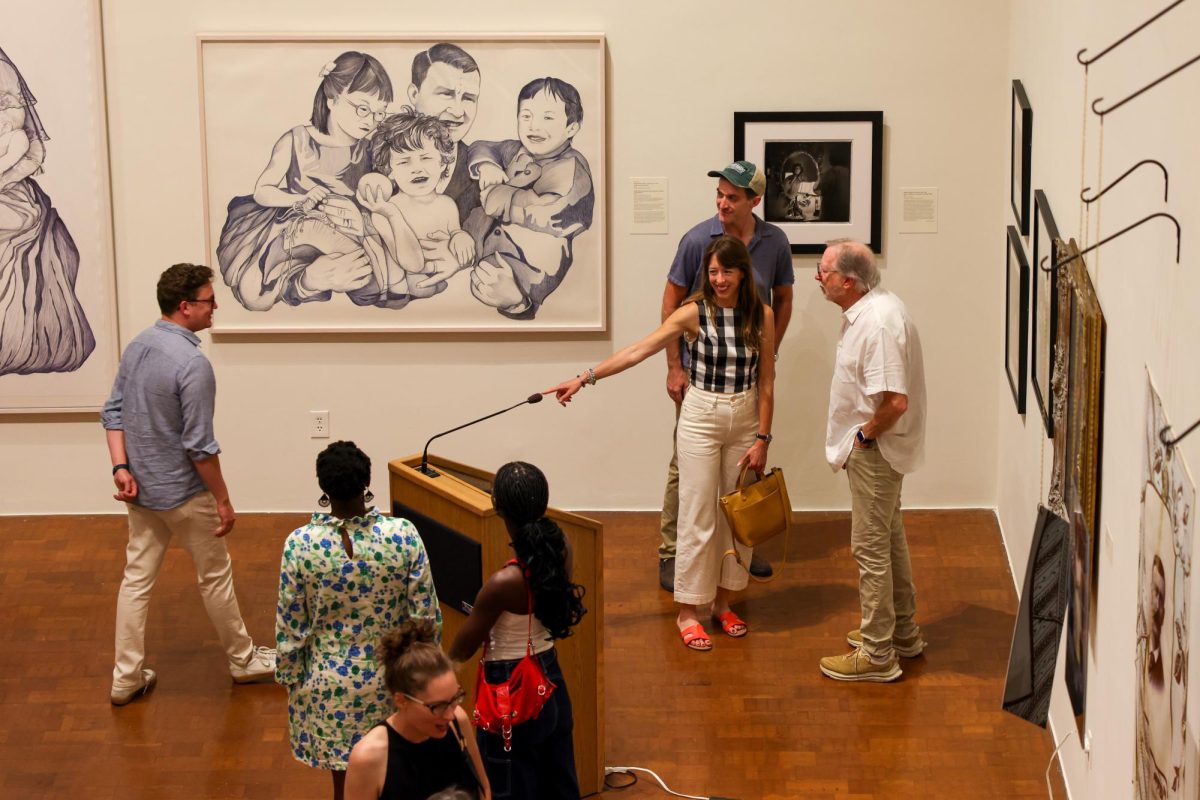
824 173
405 183
1016 318
1046 251
58 322
1021 170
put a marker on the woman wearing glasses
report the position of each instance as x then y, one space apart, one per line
300 236
346 577
420 750
537 759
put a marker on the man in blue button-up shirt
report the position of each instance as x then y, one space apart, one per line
166 467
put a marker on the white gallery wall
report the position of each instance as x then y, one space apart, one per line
1150 306
675 77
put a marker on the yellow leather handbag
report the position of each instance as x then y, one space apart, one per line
758 511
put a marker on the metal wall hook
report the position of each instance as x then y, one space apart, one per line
1102 111
1085 61
1169 443
1166 179
1178 239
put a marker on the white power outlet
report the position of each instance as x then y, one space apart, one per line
1087 742
318 424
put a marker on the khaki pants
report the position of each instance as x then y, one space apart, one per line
715 431
885 584
669 524
150 533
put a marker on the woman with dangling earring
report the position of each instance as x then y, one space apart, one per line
346 577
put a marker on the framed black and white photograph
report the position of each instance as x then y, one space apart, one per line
824 172
405 183
1046 249
1022 152
1016 318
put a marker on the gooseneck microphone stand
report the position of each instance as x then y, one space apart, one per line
433 473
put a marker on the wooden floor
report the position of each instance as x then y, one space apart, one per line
752 719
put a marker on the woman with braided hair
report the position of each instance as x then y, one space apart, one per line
346 577
538 760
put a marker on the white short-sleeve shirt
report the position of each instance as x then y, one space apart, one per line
879 351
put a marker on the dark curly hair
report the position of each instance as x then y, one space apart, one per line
343 471
410 658
520 494
180 282
408 130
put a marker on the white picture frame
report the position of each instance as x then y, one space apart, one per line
255 87
58 321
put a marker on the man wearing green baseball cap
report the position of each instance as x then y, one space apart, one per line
740 188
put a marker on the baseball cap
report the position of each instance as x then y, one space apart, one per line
743 174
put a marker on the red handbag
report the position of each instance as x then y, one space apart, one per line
500 706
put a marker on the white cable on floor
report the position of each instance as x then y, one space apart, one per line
667 789
1049 787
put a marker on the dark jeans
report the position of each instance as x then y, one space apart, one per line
541 764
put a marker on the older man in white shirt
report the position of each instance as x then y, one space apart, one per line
876 432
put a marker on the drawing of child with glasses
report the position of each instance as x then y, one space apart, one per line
300 236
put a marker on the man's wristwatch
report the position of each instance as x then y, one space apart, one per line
864 441
118 467
766 437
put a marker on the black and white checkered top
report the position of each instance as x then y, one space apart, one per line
721 360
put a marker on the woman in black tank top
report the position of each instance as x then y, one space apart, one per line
420 750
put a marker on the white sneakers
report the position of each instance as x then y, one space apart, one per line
124 696
261 665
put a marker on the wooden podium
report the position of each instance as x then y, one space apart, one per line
467 542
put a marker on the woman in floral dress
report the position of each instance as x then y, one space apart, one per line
346 578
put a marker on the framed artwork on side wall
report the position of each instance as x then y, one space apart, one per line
1016 317
824 173
1047 249
58 321
405 183
1022 153
1085 386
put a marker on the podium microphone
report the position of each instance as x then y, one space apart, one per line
430 471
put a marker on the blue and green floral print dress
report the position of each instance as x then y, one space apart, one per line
332 611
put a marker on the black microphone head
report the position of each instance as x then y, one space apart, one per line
534 398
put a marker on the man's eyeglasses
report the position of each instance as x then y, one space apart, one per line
210 300
440 709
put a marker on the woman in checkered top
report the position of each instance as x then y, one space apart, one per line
724 424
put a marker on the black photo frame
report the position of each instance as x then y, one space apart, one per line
1022 153
824 172
1047 250
1016 317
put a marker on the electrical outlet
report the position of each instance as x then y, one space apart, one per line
318 424
1087 742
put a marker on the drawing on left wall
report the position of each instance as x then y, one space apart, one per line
42 325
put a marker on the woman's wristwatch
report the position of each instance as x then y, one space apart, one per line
766 437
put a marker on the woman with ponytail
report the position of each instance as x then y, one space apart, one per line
538 760
409 756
